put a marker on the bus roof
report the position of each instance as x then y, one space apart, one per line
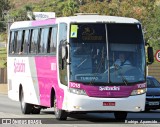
101 18
75 19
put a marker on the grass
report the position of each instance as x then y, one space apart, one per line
3 57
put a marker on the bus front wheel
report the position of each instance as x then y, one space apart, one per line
25 107
59 113
120 115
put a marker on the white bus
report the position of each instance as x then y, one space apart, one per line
69 63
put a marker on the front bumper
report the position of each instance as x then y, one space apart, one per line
74 102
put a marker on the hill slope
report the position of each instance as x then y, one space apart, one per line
19 3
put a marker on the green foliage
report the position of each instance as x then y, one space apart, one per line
70 8
3 57
60 7
152 28
3 37
146 11
2 26
4 7
21 13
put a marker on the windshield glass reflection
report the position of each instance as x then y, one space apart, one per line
88 54
115 59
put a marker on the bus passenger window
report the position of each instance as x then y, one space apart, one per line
15 42
26 41
44 40
11 43
49 40
19 42
34 41
53 40
22 42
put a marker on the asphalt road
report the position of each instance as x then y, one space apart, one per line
11 110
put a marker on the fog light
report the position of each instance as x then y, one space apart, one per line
137 108
77 107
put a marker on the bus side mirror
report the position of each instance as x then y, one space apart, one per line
64 52
150 55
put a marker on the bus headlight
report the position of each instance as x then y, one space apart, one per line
77 91
138 91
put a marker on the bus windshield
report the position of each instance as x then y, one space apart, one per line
107 53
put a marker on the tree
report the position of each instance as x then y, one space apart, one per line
4 7
50 6
94 7
152 28
70 8
146 11
21 14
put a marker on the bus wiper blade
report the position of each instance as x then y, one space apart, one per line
124 80
81 63
117 67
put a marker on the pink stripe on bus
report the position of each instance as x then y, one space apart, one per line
107 91
47 79
43 22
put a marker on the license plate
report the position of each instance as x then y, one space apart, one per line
153 103
109 103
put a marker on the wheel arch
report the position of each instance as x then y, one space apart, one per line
20 89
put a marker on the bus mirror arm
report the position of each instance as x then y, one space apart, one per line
64 52
64 55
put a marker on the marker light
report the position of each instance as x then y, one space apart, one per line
77 91
138 91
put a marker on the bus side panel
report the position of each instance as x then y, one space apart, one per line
22 71
13 87
48 79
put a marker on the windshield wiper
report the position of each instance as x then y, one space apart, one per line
117 67
81 63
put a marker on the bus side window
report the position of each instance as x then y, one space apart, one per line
53 40
22 42
15 42
11 43
34 41
44 40
26 41
19 42
49 39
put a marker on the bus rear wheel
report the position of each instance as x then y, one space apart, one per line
59 114
26 108
36 110
120 115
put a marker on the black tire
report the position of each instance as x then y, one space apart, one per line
120 115
36 110
147 109
59 114
25 107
